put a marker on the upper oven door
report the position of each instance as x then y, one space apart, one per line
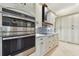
14 27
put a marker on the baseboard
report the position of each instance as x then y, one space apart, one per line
69 42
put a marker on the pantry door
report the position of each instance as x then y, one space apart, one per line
66 29
76 28
58 27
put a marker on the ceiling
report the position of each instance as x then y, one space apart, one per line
56 7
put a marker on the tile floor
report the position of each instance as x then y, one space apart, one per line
66 49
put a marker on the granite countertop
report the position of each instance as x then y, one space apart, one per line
45 35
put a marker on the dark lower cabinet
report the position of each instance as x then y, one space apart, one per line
15 46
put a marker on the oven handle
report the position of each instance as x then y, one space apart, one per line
10 38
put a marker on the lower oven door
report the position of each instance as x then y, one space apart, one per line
15 46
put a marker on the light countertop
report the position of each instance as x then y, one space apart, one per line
45 35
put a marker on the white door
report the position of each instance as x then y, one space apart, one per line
66 31
69 28
58 27
76 28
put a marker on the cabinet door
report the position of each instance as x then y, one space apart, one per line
76 28
52 43
42 46
47 44
39 46
56 39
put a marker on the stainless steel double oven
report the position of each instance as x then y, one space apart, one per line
18 32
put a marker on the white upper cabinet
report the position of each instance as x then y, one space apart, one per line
28 8
51 18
